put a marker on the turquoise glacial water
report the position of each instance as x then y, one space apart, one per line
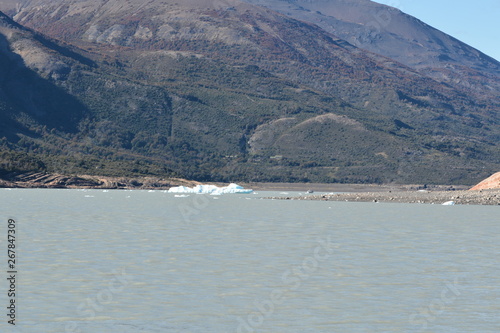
139 261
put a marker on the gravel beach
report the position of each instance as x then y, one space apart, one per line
482 197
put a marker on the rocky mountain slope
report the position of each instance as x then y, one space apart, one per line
227 89
388 31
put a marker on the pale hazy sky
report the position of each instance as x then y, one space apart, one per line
475 22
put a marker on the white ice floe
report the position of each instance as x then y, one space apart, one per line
210 189
449 203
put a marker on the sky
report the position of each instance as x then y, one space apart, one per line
475 22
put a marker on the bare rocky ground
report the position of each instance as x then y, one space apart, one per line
481 197
337 187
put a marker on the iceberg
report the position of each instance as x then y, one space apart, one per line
210 189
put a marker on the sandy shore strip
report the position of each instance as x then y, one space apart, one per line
482 197
337 187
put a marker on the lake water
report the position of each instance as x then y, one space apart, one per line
137 261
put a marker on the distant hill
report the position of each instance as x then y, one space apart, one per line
232 90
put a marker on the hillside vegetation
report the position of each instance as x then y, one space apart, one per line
227 90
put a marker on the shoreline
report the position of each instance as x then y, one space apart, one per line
355 188
395 193
33 180
460 197
57 181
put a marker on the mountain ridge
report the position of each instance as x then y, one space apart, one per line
386 30
230 90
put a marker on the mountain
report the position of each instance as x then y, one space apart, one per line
388 31
10 7
55 114
228 89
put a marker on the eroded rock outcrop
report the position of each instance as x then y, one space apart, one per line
489 183
47 180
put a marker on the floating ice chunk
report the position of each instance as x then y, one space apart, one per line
449 203
210 189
